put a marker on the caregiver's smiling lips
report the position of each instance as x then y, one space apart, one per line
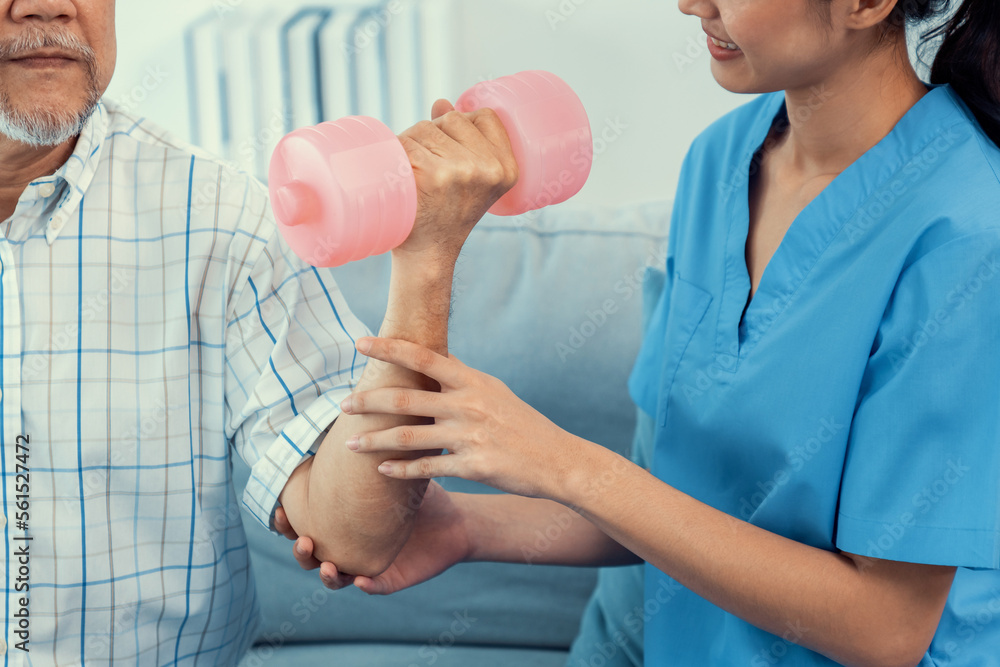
718 51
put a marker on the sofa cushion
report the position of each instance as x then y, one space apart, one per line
550 303
444 654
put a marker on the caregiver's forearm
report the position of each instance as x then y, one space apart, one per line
855 611
513 529
357 517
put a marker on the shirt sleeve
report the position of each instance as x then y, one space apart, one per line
290 357
921 481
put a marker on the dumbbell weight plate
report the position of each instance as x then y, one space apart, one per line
342 190
549 133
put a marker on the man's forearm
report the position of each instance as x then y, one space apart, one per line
357 517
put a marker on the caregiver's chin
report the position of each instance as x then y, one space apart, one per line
843 65
796 44
56 60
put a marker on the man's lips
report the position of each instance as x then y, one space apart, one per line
42 58
43 62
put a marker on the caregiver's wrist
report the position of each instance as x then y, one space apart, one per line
470 509
590 471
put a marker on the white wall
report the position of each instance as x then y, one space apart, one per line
640 66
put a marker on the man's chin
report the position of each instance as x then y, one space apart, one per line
44 125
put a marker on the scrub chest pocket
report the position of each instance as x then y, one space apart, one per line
688 306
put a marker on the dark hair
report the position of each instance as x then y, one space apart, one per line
969 60
968 57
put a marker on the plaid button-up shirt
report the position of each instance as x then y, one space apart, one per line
153 322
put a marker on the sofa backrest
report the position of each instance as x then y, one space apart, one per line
551 304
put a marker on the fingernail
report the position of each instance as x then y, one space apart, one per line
364 344
353 443
385 468
299 550
345 405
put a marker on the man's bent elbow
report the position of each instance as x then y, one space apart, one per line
360 555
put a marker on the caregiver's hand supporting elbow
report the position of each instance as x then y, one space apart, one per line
440 539
491 435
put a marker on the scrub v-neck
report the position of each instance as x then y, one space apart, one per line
740 324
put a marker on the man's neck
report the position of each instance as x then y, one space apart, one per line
20 164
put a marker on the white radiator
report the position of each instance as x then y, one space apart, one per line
253 75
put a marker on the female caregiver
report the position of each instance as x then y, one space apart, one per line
827 456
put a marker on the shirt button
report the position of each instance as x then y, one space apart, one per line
57 225
47 189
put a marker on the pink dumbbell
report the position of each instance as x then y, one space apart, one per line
344 190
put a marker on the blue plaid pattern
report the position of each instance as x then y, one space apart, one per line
151 319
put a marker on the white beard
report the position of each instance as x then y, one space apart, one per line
40 127
48 127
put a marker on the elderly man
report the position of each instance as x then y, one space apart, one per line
143 335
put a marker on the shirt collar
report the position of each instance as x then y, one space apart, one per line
75 175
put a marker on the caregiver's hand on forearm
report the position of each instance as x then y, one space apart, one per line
491 435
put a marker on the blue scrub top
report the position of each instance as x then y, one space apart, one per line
856 404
